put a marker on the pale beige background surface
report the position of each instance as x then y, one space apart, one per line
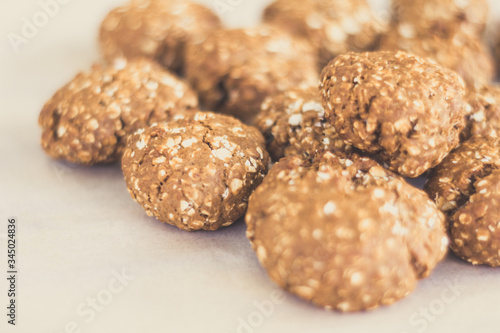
79 229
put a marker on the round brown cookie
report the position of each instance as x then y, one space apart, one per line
468 56
197 171
89 119
466 187
157 29
442 18
483 112
293 123
406 111
333 27
234 70
345 234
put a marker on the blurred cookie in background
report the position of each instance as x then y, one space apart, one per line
156 29
449 32
234 70
332 26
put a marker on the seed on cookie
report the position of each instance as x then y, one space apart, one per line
293 123
89 119
404 110
466 188
345 234
195 172
333 27
234 70
156 29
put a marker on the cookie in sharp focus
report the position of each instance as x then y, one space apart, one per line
405 111
293 123
345 234
466 188
89 119
234 70
156 29
197 171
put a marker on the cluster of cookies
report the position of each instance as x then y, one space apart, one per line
333 221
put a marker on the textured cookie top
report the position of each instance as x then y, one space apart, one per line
453 182
197 171
442 18
466 55
406 110
475 227
89 119
234 70
155 29
344 233
483 112
466 187
293 123
333 27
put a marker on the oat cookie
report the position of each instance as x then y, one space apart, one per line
483 112
404 110
89 119
293 123
345 234
157 29
467 56
442 18
333 27
197 171
466 188
234 70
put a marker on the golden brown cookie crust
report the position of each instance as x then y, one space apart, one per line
332 26
483 112
466 188
466 55
156 29
293 123
345 234
404 110
89 119
443 18
235 70
197 171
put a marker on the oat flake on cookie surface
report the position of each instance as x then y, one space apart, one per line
89 119
466 187
345 234
406 111
197 171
